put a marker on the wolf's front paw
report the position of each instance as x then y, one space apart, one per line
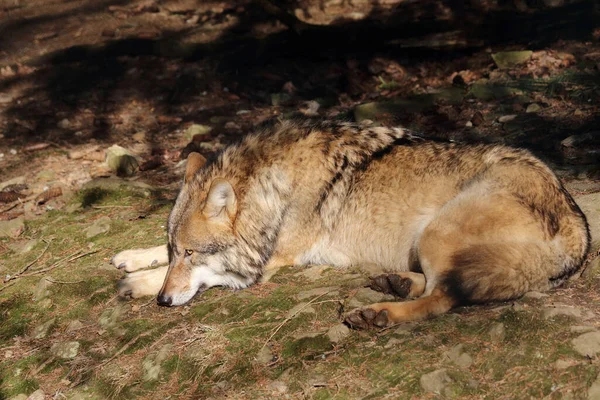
133 260
367 318
142 283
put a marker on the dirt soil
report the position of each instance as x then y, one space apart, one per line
160 79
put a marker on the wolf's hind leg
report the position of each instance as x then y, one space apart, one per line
143 283
133 260
381 315
401 284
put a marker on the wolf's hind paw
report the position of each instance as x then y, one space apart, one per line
367 318
392 284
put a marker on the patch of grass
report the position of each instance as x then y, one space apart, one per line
307 348
16 313
14 377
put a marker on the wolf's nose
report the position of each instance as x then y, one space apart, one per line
164 300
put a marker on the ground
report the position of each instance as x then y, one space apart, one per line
161 79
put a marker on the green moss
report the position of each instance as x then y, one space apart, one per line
307 348
16 313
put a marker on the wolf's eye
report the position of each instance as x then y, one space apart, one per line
188 252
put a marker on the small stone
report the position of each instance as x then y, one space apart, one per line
594 390
366 296
506 118
98 227
65 350
46 303
64 124
111 316
41 331
46 176
139 137
41 290
12 228
551 312
588 344
119 159
457 356
196 129
278 386
564 364
510 59
152 363
265 356
393 342
37 395
497 332
435 382
301 308
469 124
8 354
74 325
24 247
313 273
533 108
232 126
337 333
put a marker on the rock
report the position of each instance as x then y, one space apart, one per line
114 184
139 137
590 205
278 386
510 59
23 247
98 227
111 316
310 108
483 90
535 295
46 303
392 343
313 273
37 395
41 289
551 312
152 363
196 129
119 159
564 364
533 108
330 290
582 328
65 350
265 356
456 355
301 308
12 228
592 269
469 124
64 124
588 344
435 382
74 325
338 332
506 118
594 390
497 332
46 176
41 331
366 296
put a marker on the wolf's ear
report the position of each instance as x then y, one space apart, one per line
221 202
195 161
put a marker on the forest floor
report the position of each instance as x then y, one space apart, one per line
161 79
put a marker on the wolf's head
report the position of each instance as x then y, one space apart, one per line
202 241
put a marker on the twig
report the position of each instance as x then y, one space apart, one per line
18 202
285 321
62 282
21 272
126 346
116 206
42 366
7 286
73 257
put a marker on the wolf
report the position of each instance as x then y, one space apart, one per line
452 224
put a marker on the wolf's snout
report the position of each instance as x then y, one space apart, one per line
164 300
